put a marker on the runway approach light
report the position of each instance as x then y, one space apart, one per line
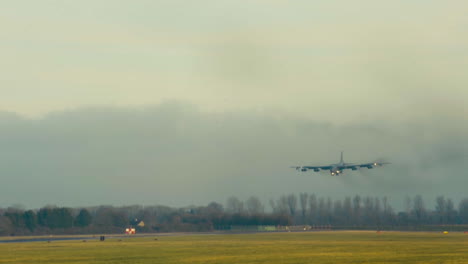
130 231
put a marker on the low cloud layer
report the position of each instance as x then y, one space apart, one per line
174 154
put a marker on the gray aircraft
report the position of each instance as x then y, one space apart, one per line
337 169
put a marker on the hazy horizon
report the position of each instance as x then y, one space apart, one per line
174 154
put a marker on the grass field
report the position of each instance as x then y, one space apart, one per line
310 247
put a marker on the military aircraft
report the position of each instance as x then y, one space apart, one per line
337 169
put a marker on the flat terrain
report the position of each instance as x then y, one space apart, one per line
307 247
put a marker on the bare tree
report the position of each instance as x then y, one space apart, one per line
303 201
273 206
329 210
254 205
378 211
419 210
386 206
338 213
368 210
440 210
357 209
282 205
451 212
408 205
388 216
322 211
313 208
292 204
347 211
234 205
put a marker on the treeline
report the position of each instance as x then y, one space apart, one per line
304 209
108 219
370 212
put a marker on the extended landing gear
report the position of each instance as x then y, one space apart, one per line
335 173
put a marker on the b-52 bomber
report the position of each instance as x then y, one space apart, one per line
337 169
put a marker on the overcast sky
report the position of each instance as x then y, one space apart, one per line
185 102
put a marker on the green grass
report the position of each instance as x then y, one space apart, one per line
311 247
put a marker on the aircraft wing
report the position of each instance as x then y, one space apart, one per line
315 168
369 165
